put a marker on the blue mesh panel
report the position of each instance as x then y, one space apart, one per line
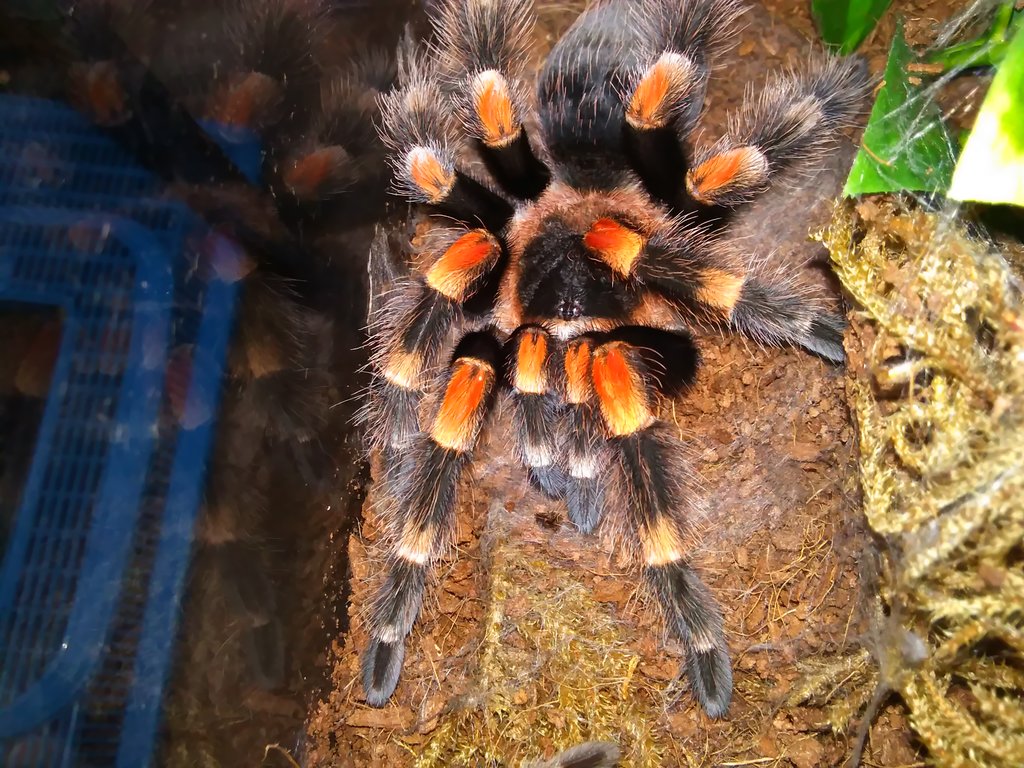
92 574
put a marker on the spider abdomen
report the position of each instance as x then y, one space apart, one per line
581 110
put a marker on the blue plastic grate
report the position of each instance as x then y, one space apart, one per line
92 574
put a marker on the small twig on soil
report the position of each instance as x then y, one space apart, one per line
284 752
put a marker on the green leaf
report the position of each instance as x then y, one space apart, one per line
991 168
988 49
845 23
905 145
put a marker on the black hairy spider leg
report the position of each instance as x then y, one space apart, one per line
515 166
793 119
781 312
670 361
536 410
663 96
419 129
704 280
589 754
423 515
470 201
412 330
654 490
658 157
670 358
483 46
587 453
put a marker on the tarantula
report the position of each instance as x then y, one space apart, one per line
572 289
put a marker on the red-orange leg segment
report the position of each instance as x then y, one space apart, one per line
536 410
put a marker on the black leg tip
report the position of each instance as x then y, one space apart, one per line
710 674
585 501
590 754
550 480
382 663
825 338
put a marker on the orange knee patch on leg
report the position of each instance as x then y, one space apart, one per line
403 369
617 245
662 542
492 101
531 375
265 356
463 408
720 289
662 86
429 174
97 88
417 543
620 391
730 171
463 263
246 100
311 175
577 372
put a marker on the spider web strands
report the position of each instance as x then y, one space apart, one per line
907 146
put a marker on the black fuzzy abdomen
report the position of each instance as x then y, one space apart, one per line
581 110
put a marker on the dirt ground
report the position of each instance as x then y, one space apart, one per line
781 545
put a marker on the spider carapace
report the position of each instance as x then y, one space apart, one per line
567 281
